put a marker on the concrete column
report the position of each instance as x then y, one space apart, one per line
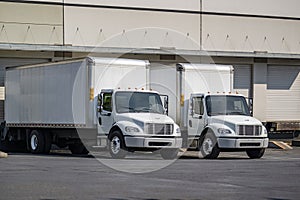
260 91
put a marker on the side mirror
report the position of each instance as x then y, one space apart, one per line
166 104
250 105
99 103
165 101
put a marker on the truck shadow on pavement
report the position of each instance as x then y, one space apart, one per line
131 156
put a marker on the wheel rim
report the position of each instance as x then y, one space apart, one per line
115 145
34 142
207 146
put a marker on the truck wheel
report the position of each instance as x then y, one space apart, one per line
169 154
255 153
209 147
116 145
78 149
36 142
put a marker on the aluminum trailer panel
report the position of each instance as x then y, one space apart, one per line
124 74
187 78
64 94
45 94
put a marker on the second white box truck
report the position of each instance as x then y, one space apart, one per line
96 101
211 116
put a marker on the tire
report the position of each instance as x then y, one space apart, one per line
78 149
116 145
36 142
255 153
169 154
209 147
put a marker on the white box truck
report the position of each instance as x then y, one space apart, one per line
211 116
103 102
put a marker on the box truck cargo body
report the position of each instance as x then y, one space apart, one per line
90 100
211 116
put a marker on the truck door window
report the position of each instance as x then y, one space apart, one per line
198 108
107 106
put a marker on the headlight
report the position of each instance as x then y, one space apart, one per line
265 131
224 131
177 130
131 129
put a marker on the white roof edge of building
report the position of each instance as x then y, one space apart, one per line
91 49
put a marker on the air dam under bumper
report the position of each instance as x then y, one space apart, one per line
243 142
153 142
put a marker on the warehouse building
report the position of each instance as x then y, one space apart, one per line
260 38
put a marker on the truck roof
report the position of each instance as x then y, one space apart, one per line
118 61
95 60
203 67
134 90
219 94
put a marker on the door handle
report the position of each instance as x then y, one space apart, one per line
190 123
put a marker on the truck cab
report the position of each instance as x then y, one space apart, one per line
222 122
136 120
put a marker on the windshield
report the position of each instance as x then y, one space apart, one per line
138 102
226 105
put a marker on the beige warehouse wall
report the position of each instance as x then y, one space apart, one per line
31 23
287 8
255 33
131 28
227 33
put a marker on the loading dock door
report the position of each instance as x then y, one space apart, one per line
242 80
283 93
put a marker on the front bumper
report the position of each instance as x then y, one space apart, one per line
243 143
153 142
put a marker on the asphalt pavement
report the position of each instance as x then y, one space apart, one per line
61 175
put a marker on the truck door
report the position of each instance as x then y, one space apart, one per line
196 118
105 118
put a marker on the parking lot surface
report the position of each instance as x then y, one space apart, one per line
61 175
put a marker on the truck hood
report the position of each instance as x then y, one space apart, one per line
235 120
145 118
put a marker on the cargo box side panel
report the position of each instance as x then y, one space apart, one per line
114 76
207 78
44 95
164 80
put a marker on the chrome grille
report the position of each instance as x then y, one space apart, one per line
159 129
249 130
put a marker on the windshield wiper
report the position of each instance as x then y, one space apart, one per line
130 109
235 113
219 113
143 109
